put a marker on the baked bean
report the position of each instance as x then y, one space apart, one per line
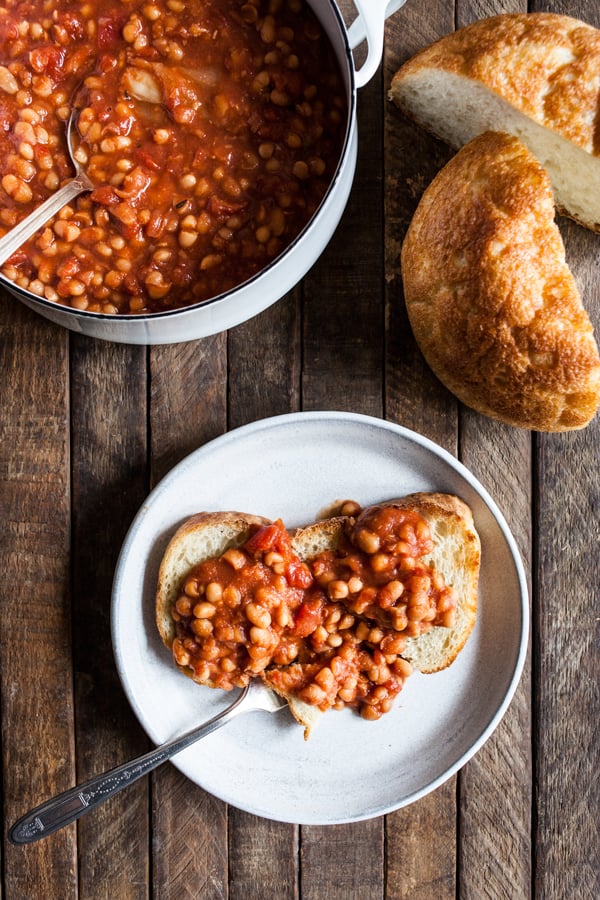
235 558
381 562
183 605
213 592
204 610
355 585
313 694
367 541
362 631
202 627
228 664
370 712
337 590
232 596
180 654
260 636
402 667
375 635
324 678
258 615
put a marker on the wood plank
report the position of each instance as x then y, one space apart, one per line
343 862
265 358
414 397
421 839
35 646
189 827
263 858
188 392
342 295
110 477
567 662
566 648
421 848
496 785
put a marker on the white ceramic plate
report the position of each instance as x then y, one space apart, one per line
295 467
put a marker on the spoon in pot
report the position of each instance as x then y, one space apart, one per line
76 801
17 236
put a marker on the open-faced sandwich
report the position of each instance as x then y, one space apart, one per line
333 615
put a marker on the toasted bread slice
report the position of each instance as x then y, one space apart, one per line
456 555
203 536
531 75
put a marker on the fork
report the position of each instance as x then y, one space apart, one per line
81 799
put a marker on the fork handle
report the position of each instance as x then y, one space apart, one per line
76 801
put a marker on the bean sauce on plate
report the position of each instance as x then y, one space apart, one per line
211 129
330 631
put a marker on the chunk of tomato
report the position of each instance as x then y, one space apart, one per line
308 617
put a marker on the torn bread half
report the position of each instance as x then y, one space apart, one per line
490 297
532 75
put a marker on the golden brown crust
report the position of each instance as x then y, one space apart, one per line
544 64
491 300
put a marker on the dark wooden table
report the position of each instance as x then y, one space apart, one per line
87 428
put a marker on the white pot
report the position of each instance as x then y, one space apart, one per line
270 284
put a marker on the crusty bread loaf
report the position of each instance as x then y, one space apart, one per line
456 555
492 303
532 75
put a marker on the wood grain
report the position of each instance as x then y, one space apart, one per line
189 827
110 481
35 645
566 646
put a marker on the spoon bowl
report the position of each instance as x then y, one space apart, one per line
80 182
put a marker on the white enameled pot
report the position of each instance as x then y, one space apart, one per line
270 284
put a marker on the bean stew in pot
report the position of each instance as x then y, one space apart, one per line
211 129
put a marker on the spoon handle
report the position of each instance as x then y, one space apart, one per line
76 801
36 219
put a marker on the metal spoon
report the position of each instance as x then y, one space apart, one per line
75 802
17 236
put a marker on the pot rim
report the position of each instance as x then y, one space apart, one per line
131 318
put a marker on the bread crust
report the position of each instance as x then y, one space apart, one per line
492 303
544 64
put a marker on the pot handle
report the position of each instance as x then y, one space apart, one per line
369 25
